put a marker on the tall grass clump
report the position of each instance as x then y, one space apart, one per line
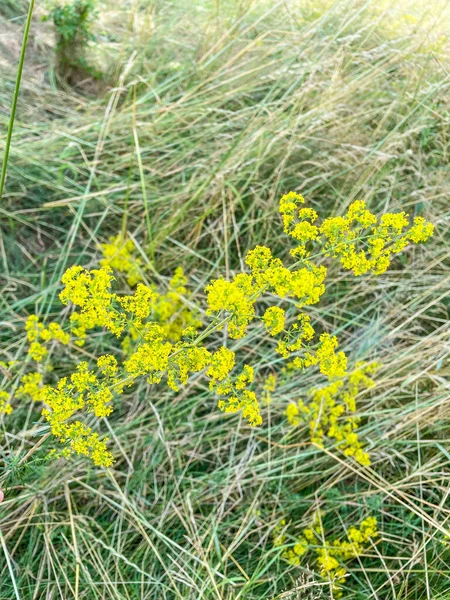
147 288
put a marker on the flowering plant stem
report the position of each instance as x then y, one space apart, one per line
15 96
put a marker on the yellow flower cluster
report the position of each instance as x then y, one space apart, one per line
364 243
331 412
80 439
222 363
298 222
330 555
360 240
37 333
421 231
157 356
5 405
107 365
154 356
274 320
174 310
160 329
294 339
139 305
304 285
236 297
330 364
119 255
83 391
99 307
151 357
32 387
90 291
186 359
239 398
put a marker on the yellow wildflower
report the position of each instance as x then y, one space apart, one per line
292 412
326 562
107 365
234 297
294 339
33 328
56 333
32 387
174 310
330 554
161 331
98 401
90 290
36 331
222 362
118 254
329 414
259 259
151 357
421 230
288 207
186 359
343 238
83 379
37 351
62 402
5 406
274 320
246 377
245 402
139 304
81 440
331 364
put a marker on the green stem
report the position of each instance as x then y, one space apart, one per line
16 96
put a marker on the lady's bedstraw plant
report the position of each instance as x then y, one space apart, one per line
330 412
162 339
330 555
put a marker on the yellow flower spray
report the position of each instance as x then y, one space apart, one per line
330 555
161 342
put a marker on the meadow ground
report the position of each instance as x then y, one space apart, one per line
206 114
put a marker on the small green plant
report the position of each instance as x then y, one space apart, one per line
73 24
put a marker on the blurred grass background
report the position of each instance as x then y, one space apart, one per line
227 105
